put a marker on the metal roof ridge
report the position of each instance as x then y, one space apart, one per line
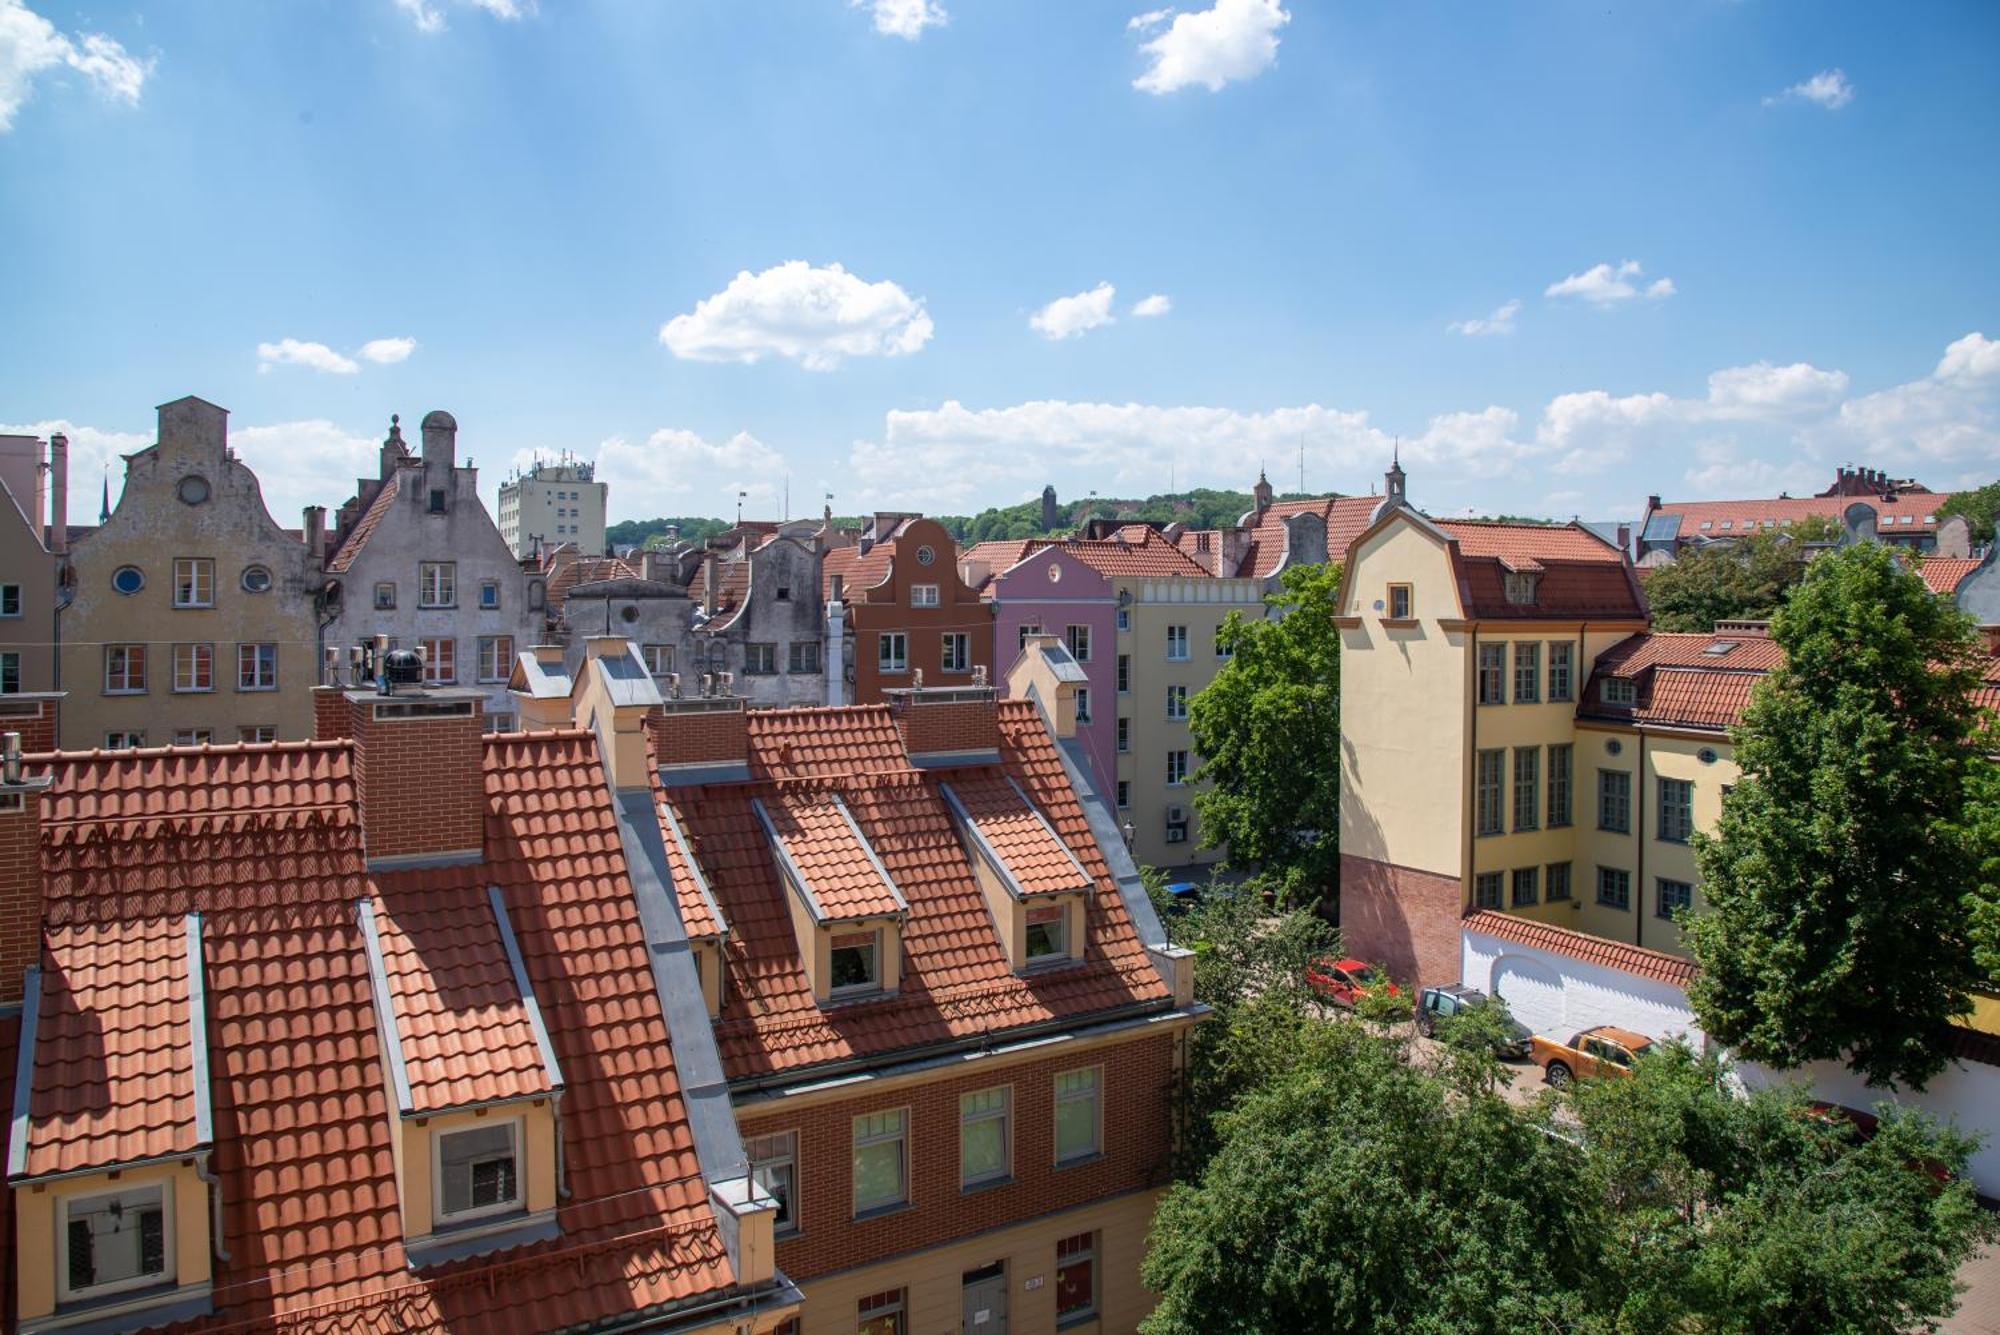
550 1066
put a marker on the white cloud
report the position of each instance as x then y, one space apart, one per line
816 316
388 351
429 17
1763 388
1974 357
30 45
1606 285
1828 88
293 352
1068 317
1234 40
702 475
1158 304
1501 321
906 19
1152 18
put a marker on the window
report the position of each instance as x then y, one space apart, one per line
881 1160
10 600
1078 639
803 656
1124 734
853 962
1176 702
1562 677
955 652
257 667
892 651
1614 887
985 1137
1492 668
1487 818
385 595
1083 704
1048 932
784 594
1521 587
1676 810
194 581
1672 897
760 660
1614 801
193 736
1618 691
1077 1113
437 500
1225 647
1399 602
1555 881
1027 630
1124 674
496 657
1177 768
774 1163
1124 618
194 667
128 579
124 740
10 672
1526 886
1559 784
489 594
881 1314
1177 644
440 660
437 584
1124 793
478 1171
1076 1277
497 723
256 579
1527 787
659 659
1528 672
1486 890
258 733
923 595
124 669
115 1241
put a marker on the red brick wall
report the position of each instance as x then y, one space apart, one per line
1402 919
331 717
37 725
1136 1141
422 782
958 725
20 894
699 737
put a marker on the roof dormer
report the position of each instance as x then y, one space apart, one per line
846 912
1035 888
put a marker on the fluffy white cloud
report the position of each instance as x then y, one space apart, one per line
1234 40
1068 317
1147 21
1763 388
701 475
816 316
388 351
1157 304
1607 285
30 45
1501 321
293 352
1974 357
906 19
1828 88
429 17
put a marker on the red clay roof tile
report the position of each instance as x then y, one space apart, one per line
1942 573
1720 519
1347 517
1027 846
364 527
838 868
1654 964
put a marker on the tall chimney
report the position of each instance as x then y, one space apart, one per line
20 870
58 534
419 767
315 522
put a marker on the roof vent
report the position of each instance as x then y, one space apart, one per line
401 667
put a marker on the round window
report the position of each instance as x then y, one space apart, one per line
925 556
1706 755
628 614
256 579
193 489
128 579
1614 746
1055 573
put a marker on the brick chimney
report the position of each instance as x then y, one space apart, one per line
943 724
20 870
419 768
701 739
58 516
331 713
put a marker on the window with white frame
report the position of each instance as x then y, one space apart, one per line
1225 643
496 657
115 1241
440 660
1177 698
437 584
855 964
1078 639
1177 767
985 1136
892 651
955 651
385 595
1078 1114
1527 672
1562 676
923 595
1048 932
257 667
124 739
124 669
659 659
194 581
1177 644
258 732
194 667
477 1171
881 1160
193 736
774 1163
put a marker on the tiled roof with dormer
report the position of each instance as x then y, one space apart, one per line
822 845
1346 517
1900 512
1024 844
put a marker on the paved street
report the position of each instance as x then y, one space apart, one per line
1979 1312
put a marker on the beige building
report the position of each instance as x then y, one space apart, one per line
191 613
553 503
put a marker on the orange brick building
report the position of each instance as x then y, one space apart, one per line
904 610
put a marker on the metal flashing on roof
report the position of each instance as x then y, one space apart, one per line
694 869
542 681
385 1006
714 771
442 1248
24 1071
521 984
794 877
953 759
460 857
627 681
204 1114
1015 890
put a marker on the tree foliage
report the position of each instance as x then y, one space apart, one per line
1745 580
1268 731
653 532
1834 882
1982 826
1978 506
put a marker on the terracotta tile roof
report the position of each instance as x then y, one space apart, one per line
858 570
1024 843
364 527
1535 542
1942 573
114 1052
1636 653
1654 964
1987 696
1741 517
1347 517
1691 697
586 570
956 980
831 855
810 743
701 918
1144 555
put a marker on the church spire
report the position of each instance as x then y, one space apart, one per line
104 509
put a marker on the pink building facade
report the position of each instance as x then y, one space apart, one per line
1053 592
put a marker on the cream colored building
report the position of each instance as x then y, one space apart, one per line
191 612
553 503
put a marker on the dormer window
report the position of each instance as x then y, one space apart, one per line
1521 587
478 1171
1048 933
1035 888
115 1241
1618 691
846 912
853 963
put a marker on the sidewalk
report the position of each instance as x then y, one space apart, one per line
1979 1307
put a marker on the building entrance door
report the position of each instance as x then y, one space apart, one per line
985 1292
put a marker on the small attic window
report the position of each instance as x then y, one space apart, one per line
437 500
115 1241
856 962
1707 524
1048 932
1729 523
478 1171
1521 587
1618 691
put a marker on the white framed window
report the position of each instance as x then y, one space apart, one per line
496 657
115 1241
854 963
923 595
1177 702
985 1136
1078 639
257 667
1177 644
881 1160
497 723
194 581
476 1171
659 659
1048 932
1177 767
124 669
124 740
193 736
194 667
437 584
774 1163
10 600
258 732
892 651
440 660
1079 1113
385 595
955 652
1225 648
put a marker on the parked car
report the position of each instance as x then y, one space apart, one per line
1342 981
1437 1003
1603 1051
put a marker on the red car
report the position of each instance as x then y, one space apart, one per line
1342 981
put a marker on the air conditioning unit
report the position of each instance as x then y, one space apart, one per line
1177 834
1177 815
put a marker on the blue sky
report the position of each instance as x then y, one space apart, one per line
1569 254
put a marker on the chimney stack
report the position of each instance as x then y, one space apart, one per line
20 870
440 431
946 724
315 524
419 766
58 532
700 739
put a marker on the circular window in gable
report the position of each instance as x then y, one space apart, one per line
256 579
128 579
193 489
1614 746
1055 573
1706 755
925 556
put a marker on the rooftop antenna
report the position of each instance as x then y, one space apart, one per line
788 498
1302 464
739 507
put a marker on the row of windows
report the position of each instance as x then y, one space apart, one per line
892 651
887 1313
437 586
1528 682
1674 806
129 739
1675 823
126 668
759 660
194 582
1614 891
1528 886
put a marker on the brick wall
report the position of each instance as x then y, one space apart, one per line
20 894
422 781
1136 1141
699 737
36 722
955 725
331 717
1402 919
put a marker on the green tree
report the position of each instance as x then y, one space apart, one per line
1978 506
1268 731
652 532
1982 825
1834 881
1731 581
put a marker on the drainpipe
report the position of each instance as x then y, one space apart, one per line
562 1159
1639 825
203 1171
1470 839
